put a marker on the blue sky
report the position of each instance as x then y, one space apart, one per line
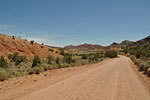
66 22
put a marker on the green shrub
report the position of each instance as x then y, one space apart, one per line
137 62
3 62
61 51
10 56
133 58
111 54
13 57
142 65
13 37
125 51
31 71
148 72
64 65
51 50
50 59
58 60
32 42
68 58
73 64
3 74
48 67
20 59
84 56
35 70
146 68
36 61
18 74
91 58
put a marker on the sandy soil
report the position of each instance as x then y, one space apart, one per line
115 79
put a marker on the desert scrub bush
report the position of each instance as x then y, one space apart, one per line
32 42
16 58
58 60
46 67
111 54
64 65
62 52
147 65
36 61
85 56
13 57
137 62
73 64
20 59
133 58
42 46
68 58
50 59
51 50
13 37
18 74
3 62
3 75
35 70
142 65
148 72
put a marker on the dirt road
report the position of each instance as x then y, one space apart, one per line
114 80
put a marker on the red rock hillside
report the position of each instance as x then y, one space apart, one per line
8 45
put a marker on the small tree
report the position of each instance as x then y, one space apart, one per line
36 61
10 56
111 54
3 62
51 50
58 61
13 57
13 37
62 51
32 42
84 56
50 59
68 58
20 59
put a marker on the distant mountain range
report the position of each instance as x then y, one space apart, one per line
114 46
8 45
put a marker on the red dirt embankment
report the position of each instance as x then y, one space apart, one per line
8 45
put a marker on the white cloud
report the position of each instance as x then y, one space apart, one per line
38 36
39 40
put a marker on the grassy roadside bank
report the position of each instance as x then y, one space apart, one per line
20 66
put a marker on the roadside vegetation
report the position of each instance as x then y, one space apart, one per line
140 55
17 65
